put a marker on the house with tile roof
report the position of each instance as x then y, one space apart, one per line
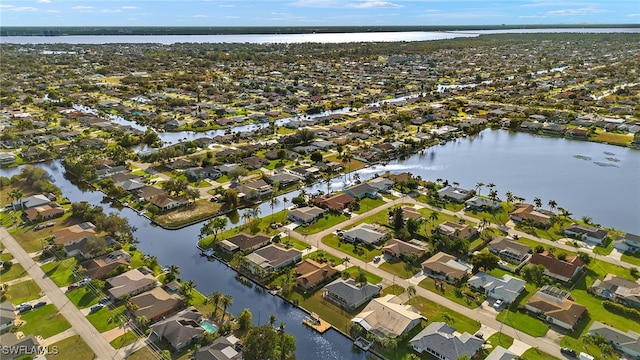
312 273
555 306
618 289
336 202
180 329
131 283
387 316
74 233
306 215
242 242
396 248
155 303
563 270
443 266
271 258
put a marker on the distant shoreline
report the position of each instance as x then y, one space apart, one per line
8 31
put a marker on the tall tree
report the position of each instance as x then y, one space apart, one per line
552 205
226 301
213 227
479 186
214 298
537 202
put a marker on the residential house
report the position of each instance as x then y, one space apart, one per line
336 202
254 162
97 268
74 233
445 343
312 273
563 270
586 233
222 348
396 248
457 230
409 212
509 250
243 242
26 347
307 172
147 192
627 342
7 316
617 289
285 179
155 304
362 190
132 282
387 316
383 185
7 158
253 190
500 353
482 204
33 201
348 295
165 202
181 164
556 307
507 288
443 266
271 258
526 212
454 194
365 233
44 212
306 215
628 242
180 329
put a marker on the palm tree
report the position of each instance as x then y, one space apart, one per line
255 211
491 185
215 299
552 205
448 319
509 197
272 320
246 216
173 271
434 217
479 186
187 288
345 260
284 201
15 195
346 160
411 290
226 301
537 201
272 204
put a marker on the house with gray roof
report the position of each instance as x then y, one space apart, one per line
32 202
387 316
180 329
382 184
454 193
271 258
507 288
500 353
445 343
365 233
586 233
222 348
628 343
348 295
306 215
618 289
362 190
509 250
628 242
20 348
7 316
482 204
285 179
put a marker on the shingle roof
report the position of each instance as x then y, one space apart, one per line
350 292
443 338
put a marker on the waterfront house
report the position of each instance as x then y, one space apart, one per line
445 343
383 185
443 266
166 203
335 202
387 316
306 215
147 192
457 230
131 283
243 242
509 250
397 248
7 158
563 270
271 258
349 295
555 306
155 304
482 204
361 191
180 329
44 212
254 162
222 348
74 233
586 233
628 242
507 288
285 179
526 212
7 316
454 194
33 201
99 267
365 233
617 289
312 273
253 190
626 342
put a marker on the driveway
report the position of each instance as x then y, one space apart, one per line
79 322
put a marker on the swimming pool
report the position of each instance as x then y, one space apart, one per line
208 326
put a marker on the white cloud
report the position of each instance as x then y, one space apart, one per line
231 17
53 11
129 7
226 5
373 4
18 8
200 16
576 12
317 3
633 15
111 11
81 7
531 16
44 1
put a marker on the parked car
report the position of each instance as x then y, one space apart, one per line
24 307
96 308
84 282
71 287
569 352
479 335
497 304
39 304
104 301
376 259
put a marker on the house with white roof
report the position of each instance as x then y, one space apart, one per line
387 316
507 288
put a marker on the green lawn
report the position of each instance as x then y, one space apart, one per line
44 321
123 340
523 322
367 204
71 348
371 278
436 312
399 268
263 226
297 244
326 256
16 272
535 354
143 354
365 253
61 272
631 258
24 291
500 339
499 217
327 311
581 345
450 293
393 289
83 297
428 225
106 318
6 257
30 239
323 223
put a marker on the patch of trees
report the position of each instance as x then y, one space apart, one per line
114 225
302 136
267 342
622 310
37 178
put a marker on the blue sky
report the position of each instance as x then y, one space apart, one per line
314 12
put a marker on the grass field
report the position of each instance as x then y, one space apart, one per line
535 354
31 240
500 339
106 318
323 223
371 278
16 272
367 253
83 297
24 291
436 312
367 204
188 214
450 293
399 268
61 272
72 348
44 321
123 340
631 258
327 311
523 322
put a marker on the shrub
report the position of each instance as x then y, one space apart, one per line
622 310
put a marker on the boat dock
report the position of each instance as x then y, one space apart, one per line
313 321
363 343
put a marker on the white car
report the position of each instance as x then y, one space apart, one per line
498 304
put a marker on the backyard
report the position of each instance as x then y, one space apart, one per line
45 321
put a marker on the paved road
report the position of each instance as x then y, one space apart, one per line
82 326
550 343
